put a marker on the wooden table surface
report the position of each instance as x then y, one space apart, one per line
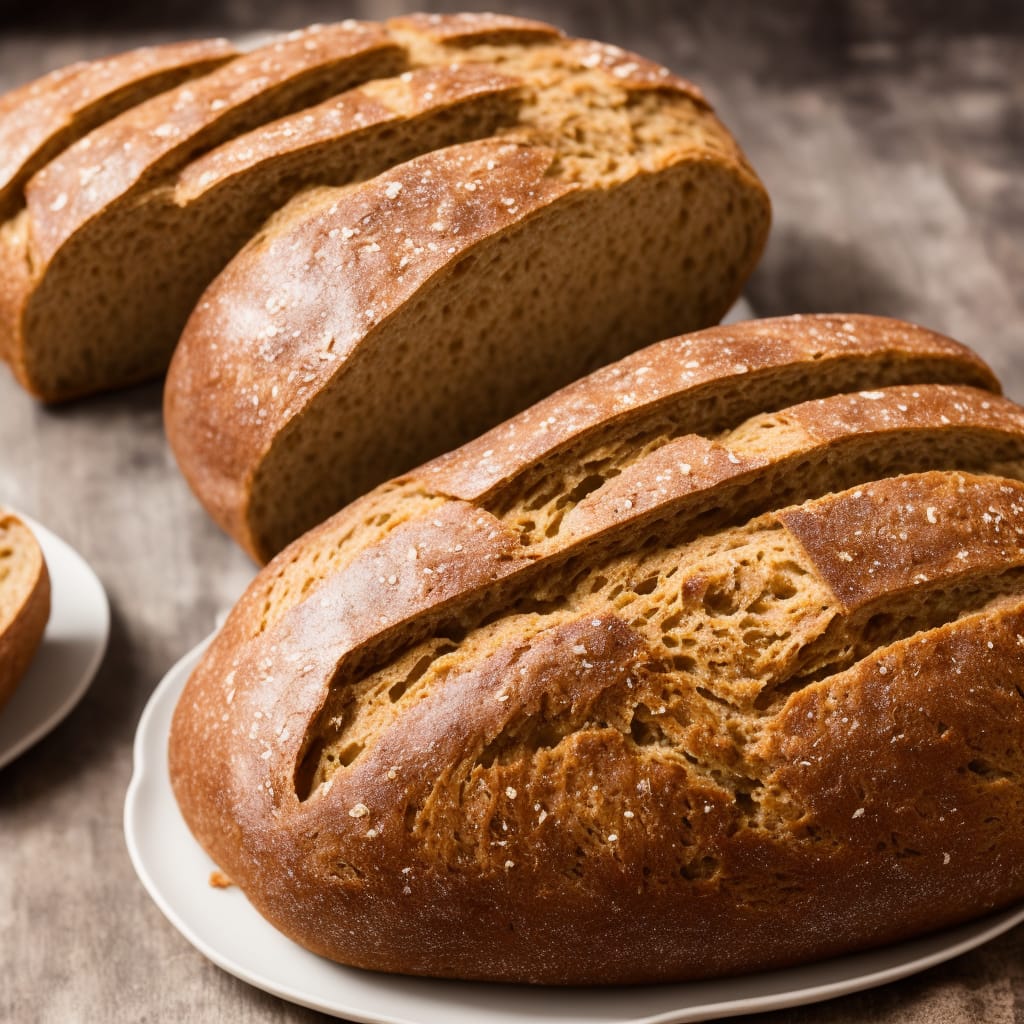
893 147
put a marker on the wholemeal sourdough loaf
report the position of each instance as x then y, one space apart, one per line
724 637
24 601
109 244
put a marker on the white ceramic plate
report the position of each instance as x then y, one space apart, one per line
69 655
223 926
741 310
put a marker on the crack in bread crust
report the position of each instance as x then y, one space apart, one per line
766 583
588 808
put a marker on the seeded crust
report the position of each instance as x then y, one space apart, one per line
42 118
24 601
96 218
510 728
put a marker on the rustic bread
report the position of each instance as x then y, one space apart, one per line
41 119
616 692
24 601
135 219
451 291
122 231
258 488
88 250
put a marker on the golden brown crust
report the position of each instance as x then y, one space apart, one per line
38 86
983 428
632 70
110 163
219 446
688 476
650 944
374 848
45 116
303 338
428 90
912 749
686 370
891 539
574 758
349 112
473 29
635 72
24 601
15 289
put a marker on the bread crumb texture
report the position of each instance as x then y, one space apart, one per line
24 601
728 635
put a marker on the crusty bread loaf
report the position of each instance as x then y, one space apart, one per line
24 601
121 232
723 637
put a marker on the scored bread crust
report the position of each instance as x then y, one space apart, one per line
24 601
221 464
78 208
449 732
428 91
44 117
164 132
119 208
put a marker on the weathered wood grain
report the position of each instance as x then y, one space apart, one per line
892 141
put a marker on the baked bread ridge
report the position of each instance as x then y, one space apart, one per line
163 133
375 541
357 134
692 381
556 778
116 228
402 720
24 600
43 117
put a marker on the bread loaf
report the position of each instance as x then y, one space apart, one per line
723 637
94 246
369 328
117 235
24 601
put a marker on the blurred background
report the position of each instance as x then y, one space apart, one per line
830 24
